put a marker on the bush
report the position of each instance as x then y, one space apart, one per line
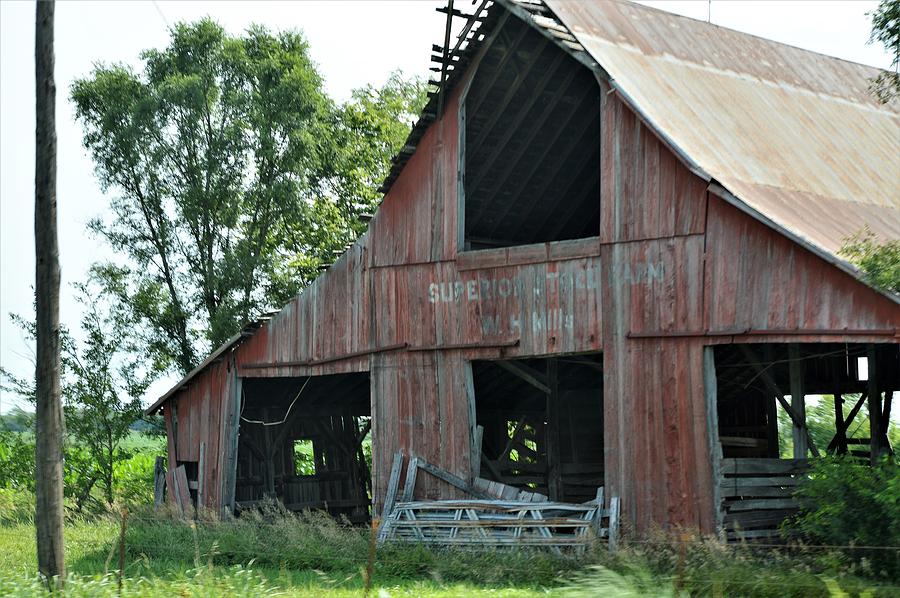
846 503
16 460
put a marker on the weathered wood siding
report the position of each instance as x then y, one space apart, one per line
670 263
652 228
758 279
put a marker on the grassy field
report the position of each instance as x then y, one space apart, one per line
273 553
169 570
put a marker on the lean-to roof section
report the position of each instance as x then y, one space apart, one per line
796 136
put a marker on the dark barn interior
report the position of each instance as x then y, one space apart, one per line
756 381
301 441
532 151
761 465
543 424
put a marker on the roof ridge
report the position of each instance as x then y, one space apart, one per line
641 4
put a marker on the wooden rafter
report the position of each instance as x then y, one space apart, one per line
526 182
534 128
574 152
500 109
766 377
526 373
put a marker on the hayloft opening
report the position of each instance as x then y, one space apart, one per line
778 405
531 150
304 441
542 424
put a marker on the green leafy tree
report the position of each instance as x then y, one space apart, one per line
103 379
234 177
364 134
886 29
845 503
108 377
879 263
821 424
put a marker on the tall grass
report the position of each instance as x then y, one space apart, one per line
273 552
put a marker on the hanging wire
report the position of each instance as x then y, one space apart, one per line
286 414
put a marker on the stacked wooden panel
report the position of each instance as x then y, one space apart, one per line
499 523
757 495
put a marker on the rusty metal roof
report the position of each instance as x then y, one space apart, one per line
795 136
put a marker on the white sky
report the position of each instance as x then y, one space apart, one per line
353 42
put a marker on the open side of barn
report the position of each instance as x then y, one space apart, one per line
549 273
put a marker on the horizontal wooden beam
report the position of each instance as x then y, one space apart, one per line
526 373
767 332
476 345
363 353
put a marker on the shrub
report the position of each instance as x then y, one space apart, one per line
846 503
16 460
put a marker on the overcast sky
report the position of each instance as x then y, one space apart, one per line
353 42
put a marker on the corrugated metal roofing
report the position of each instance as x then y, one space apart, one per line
795 135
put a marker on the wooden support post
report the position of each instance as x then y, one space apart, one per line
840 431
886 421
614 524
711 392
554 469
268 450
201 472
476 458
771 415
475 430
159 482
231 429
779 396
875 443
848 421
798 402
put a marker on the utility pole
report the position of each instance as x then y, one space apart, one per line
48 518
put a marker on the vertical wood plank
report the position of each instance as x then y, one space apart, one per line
711 393
874 405
798 401
554 469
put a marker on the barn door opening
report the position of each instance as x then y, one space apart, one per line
779 405
531 144
305 442
542 422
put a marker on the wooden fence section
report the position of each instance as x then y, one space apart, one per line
757 495
498 523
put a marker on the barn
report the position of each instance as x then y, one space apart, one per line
608 255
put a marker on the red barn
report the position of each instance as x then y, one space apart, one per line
607 255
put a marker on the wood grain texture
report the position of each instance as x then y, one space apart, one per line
670 258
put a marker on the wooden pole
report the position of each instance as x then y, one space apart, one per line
798 402
771 414
874 405
840 432
48 518
269 451
554 470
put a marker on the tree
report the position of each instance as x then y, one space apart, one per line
103 395
879 263
886 29
48 517
366 132
102 381
208 148
235 178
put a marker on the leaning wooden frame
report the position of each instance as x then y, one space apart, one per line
493 523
